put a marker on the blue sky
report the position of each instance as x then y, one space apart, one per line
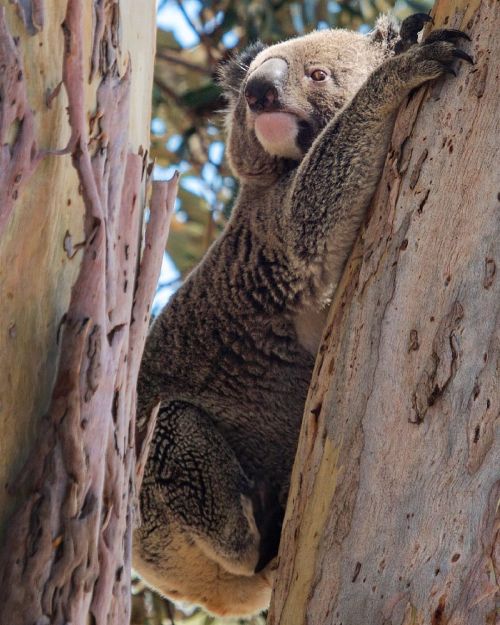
171 18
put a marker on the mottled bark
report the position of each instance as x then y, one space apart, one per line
392 517
66 551
18 158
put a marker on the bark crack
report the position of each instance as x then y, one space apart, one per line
441 365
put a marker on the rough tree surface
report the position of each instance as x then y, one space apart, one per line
392 517
75 84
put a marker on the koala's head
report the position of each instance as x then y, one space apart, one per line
282 96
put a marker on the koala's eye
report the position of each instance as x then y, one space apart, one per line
318 75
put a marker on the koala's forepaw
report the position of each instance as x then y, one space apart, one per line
436 55
434 59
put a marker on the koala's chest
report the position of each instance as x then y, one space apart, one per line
309 325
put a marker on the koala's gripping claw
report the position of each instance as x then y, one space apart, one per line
441 44
433 57
408 33
449 36
460 54
446 34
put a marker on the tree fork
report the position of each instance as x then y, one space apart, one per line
392 516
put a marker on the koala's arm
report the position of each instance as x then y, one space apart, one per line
334 183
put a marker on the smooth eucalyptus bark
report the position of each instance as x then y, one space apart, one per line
77 281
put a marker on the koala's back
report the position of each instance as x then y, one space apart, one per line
225 345
223 356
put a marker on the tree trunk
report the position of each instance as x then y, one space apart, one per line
392 516
75 86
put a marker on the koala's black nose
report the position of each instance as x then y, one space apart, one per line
261 95
264 85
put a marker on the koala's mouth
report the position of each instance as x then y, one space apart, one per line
279 132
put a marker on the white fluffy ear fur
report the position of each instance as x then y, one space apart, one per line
386 31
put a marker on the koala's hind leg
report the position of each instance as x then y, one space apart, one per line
194 482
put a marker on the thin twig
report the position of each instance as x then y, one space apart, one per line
173 58
206 41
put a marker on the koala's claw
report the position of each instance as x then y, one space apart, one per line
455 53
447 37
446 34
430 60
460 54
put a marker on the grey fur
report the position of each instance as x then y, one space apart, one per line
231 356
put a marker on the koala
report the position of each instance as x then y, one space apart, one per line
230 357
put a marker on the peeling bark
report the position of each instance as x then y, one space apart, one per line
392 516
32 12
66 556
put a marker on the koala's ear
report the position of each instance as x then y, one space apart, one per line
231 74
385 32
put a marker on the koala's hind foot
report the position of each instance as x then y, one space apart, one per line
193 482
199 540
177 568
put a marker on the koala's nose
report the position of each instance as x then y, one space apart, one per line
263 87
261 95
